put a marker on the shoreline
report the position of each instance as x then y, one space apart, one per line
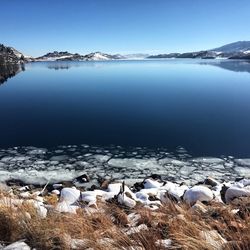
82 197
151 214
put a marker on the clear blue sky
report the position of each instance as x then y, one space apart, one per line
122 26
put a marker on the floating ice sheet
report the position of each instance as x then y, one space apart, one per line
63 163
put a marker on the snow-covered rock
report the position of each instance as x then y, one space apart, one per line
68 198
55 191
164 243
198 193
126 201
115 188
133 230
64 207
70 195
236 192
89 197
149 183
173 189
19 245
39 206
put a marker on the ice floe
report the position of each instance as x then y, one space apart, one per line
63 163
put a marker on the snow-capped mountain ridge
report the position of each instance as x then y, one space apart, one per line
237 50
236 47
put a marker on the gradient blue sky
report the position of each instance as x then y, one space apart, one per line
122 26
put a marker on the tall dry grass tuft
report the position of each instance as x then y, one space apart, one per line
8 224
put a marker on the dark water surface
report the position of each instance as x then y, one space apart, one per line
201 105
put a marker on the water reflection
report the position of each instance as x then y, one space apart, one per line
59 65
9 70
232 65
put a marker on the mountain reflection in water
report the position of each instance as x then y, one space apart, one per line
9 70
232 65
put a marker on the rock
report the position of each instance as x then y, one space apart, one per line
211 182
25 188
25 195
137 229
198 193
133 219
236 192
57 186
123 199
82 178
149 183
70 195
55 191
89 197
199 207
115 188
167 197
64 207
4 187
19 245
155 177
164 243
173 191
214 239
15 182
39 206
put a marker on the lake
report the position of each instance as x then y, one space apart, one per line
201 105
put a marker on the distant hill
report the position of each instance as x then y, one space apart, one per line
199 54
237 50
60 56
67 56
240 46
9 55
98 56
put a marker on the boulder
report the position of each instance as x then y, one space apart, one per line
198 193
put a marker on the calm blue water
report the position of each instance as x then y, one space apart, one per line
203 106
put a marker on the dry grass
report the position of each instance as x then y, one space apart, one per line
108 228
